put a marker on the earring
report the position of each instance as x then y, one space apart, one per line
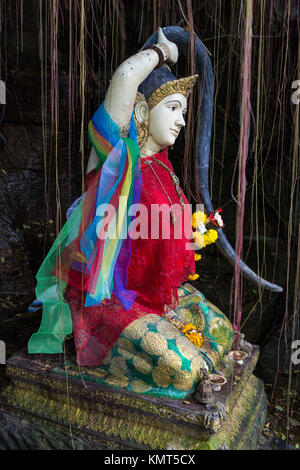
142 131
141 127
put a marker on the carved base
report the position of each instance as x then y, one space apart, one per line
42 409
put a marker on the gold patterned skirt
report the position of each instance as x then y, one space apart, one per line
153 356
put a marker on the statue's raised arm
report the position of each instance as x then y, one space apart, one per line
121 94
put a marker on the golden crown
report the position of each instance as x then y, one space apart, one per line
182 85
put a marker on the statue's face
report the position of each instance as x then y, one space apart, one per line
167 119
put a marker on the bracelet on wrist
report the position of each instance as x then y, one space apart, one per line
162 51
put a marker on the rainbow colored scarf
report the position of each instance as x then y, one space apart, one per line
92 251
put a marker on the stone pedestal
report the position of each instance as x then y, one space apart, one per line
46 406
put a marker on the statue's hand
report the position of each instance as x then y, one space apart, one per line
173 56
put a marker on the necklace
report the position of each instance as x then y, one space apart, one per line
175 181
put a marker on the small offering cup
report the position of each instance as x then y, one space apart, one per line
217 381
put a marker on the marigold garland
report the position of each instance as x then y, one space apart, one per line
210 236
188 329
203 236
194 335
198 218
199 240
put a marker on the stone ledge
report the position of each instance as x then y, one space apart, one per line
114 418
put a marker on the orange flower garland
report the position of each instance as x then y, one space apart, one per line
203 236
194 335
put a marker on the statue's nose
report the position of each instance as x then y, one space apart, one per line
180 122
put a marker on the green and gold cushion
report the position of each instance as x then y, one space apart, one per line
153 357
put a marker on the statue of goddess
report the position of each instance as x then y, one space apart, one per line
109 277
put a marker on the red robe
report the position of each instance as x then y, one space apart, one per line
158 266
